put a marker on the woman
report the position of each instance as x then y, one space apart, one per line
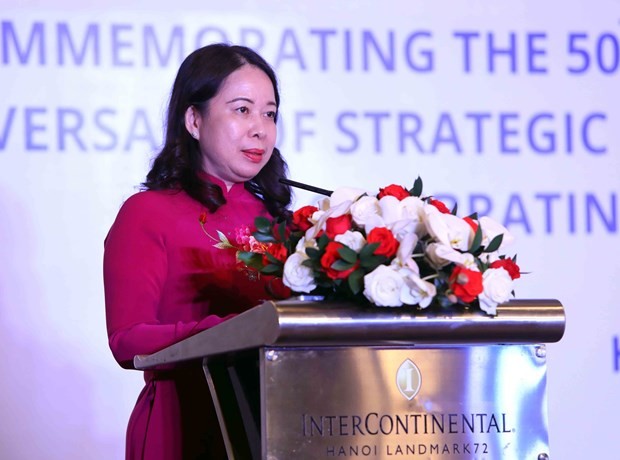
164 279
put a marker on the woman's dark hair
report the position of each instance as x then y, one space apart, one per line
178 164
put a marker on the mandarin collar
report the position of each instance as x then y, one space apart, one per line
234 190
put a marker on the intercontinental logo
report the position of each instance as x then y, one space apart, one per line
408 379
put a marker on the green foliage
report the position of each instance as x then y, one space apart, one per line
263 225
282 231
342 265
494 244
271 269
348 255
251 259
356 281
454 209
475 244
314 254
368 250
357 265
416 190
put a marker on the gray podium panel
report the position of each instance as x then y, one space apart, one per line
305 379
481 402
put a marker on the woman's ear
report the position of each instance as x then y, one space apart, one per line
192 122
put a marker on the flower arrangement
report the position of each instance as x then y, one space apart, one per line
393 249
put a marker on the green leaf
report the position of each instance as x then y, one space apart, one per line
291 242
368 250
322 242
372 262
282 230
356 281
495 243
313 253
246 256
417 188
325 283
347 254
475 245
265 237
454 209
272 259
308 263
263 225
271 269
251 259
341 265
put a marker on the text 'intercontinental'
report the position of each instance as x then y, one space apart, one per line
375 424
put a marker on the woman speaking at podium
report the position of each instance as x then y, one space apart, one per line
164 279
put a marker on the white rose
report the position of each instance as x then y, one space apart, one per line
496 289
298 277
363 209
383 287
354 240
391 209
413 208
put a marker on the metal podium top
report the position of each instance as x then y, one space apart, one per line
300 322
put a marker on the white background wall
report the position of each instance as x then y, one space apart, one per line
80 119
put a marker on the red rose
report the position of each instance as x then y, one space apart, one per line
301 217
509 265
465 284
277 250
394 190
472 223
337 225
203 217
329 257
277 289
388 245
439 205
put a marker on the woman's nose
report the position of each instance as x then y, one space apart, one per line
257 129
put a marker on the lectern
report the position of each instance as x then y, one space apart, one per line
309 379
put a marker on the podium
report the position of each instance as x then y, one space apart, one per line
307 379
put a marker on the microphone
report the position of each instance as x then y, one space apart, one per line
310 188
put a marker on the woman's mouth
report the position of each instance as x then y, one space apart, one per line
254 155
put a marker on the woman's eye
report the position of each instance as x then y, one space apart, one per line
242 110
271 114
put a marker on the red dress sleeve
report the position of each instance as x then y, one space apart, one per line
134 270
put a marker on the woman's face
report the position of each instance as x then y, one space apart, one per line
237 131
